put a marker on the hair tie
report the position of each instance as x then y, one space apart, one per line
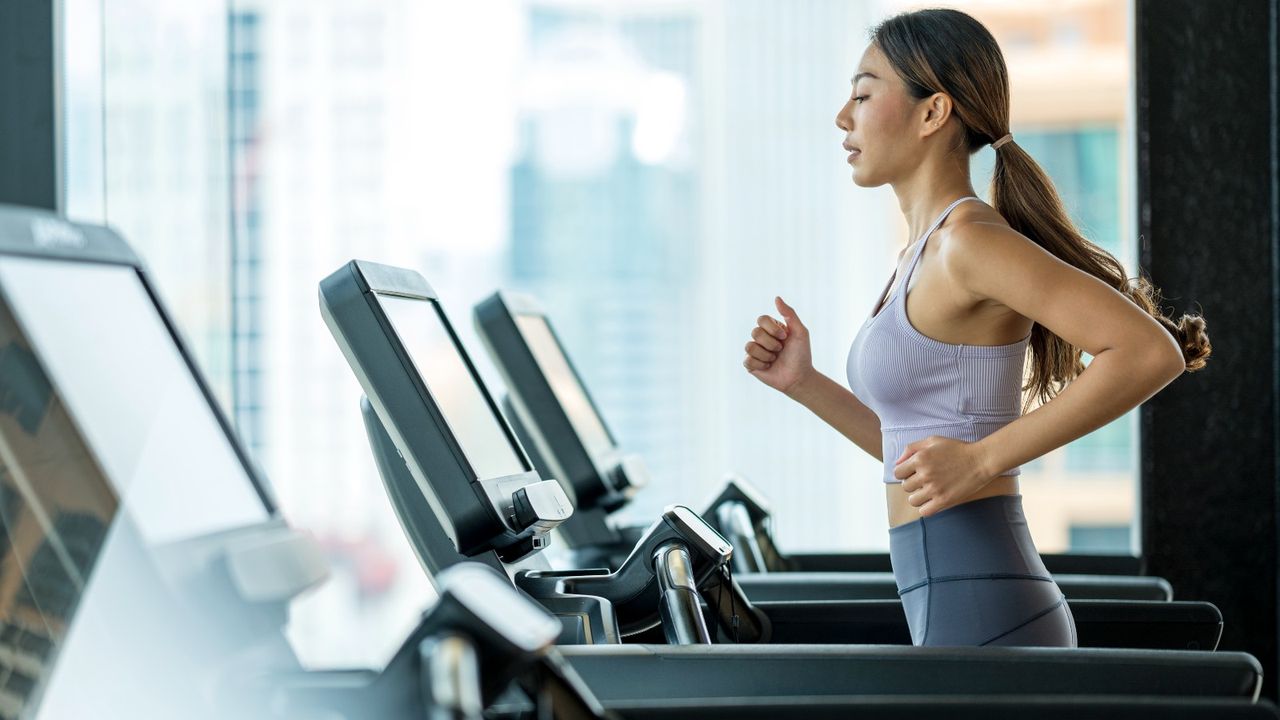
1007 138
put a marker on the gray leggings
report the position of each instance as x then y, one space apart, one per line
970 575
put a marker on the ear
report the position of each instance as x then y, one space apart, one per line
936 110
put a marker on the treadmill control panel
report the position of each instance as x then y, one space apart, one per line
697 530
541 505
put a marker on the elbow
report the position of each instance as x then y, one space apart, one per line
1166 359
1153 365
1174 371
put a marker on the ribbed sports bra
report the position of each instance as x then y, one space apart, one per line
919 386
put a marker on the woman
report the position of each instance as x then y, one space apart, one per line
936 371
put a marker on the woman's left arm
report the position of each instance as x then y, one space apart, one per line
1133 358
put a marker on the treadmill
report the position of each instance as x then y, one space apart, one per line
567 438
464 489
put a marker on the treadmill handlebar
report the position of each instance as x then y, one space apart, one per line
633 590
682 620
735 488
735 492
735 523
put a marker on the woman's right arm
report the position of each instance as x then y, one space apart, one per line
840 409
778 355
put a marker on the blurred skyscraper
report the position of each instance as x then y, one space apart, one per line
672 177
606 215
245 135
146 125
787 220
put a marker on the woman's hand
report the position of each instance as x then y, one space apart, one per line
778 352
938 472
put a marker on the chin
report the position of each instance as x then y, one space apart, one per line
862 180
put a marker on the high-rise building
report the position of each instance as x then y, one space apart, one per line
606 209
149 147
244 145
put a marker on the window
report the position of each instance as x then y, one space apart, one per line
1100 539
653 173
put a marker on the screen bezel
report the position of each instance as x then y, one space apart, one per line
424 391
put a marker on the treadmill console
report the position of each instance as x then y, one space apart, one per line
461 456
552 406
699 533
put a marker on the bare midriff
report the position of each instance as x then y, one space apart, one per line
901 511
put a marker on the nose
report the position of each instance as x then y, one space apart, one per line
844 118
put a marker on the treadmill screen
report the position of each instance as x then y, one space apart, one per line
454 388
564 383
115 366
108 452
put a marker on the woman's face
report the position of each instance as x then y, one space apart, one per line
879 123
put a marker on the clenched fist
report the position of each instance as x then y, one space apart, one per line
778 351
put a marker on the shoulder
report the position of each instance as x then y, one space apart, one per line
981 249
982 239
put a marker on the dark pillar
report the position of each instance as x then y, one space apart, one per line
29 142
1207 203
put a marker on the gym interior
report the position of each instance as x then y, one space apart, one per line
382 359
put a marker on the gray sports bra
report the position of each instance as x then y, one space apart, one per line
919 386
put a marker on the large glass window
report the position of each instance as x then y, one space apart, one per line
654 173
168 142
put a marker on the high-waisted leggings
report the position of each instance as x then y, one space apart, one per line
970 575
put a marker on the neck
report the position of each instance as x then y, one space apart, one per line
927 191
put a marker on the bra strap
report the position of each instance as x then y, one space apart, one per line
915 257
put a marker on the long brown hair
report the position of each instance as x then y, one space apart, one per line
944 50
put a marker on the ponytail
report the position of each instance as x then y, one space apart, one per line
1024 195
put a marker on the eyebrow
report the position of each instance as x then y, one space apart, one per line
861 75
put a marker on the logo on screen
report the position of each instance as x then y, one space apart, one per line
49 233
